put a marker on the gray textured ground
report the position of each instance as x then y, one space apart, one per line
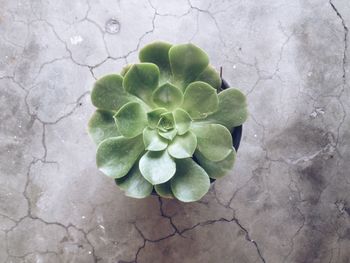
287 199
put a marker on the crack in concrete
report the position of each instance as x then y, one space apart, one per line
31 216
43 159
197 28
235 219
344 61
141 38
8 217
285 43
162 213
200 224
35 252
126 55
11 42
43 142
40 19
247 236
295 235
46 63
85 18
66 228
346 31
212 16
69 113
168 14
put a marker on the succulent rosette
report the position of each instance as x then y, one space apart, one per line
163 125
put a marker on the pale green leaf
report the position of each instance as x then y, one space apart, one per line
141 80
169 135
125 69
182 121
200 100
187 61
166 122
214 141
167 96
153 141
115 156
108 93
216 169
190 182
183 146
154 116
158 53
102 126
232 110
164 190
131 119
157 167
210 76
134 184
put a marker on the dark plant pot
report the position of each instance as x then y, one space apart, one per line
237 131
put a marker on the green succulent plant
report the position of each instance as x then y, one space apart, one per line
162 123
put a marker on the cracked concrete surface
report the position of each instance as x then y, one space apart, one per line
286 200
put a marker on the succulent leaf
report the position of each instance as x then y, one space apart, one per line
182 121
190 182
108 93
167 96
141 80
154 116
157 167
200 99
158 53
134 184
153 141
218 169
117 155
210 76
169 135
166 122
186 61
102 126
232 109
131 119
164 190
125 69
214 141
183 146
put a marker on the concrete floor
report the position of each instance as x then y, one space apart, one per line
286 200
